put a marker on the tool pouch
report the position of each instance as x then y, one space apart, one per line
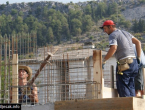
124 64
123 67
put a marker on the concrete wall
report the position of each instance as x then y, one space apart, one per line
48 106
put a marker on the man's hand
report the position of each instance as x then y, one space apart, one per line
138 60
34 95
103 63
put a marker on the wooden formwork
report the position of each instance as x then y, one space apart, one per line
124 103
107 97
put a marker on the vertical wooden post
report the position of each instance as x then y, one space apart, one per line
15 78
112 77
97 71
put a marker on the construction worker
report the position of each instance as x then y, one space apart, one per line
120 43
26 94
139 82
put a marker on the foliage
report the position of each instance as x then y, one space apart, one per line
53 25
14 12
5 82
2 6
138 26
7 2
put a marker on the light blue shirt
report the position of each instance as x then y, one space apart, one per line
142 57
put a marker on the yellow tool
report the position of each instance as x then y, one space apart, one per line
120 73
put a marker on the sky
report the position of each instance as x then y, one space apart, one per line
26 1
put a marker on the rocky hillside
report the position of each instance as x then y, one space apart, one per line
132 9
31 7
136 12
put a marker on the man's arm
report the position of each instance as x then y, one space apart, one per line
111 52
138 46
34 95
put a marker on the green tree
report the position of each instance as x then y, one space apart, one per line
101 10
57 30
45 11
51 12
76 26
3 25
112 9
40 39
135 26
88 10
75 14
30 22
127 24
9 24
7 3
25 27
14 12
2 6
50 35
21 13
64 26
18 23
87 23
141 25
38 11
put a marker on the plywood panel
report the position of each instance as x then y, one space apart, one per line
124 103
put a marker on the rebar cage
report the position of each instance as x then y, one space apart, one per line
68 74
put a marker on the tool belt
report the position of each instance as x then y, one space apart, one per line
124 64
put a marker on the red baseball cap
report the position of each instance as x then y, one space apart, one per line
107 23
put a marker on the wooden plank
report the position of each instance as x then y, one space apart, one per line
15 78
97 71
124 103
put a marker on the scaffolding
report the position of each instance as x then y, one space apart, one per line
67 75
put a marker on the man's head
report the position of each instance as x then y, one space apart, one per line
108 26
25 71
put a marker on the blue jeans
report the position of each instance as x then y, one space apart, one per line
125 82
